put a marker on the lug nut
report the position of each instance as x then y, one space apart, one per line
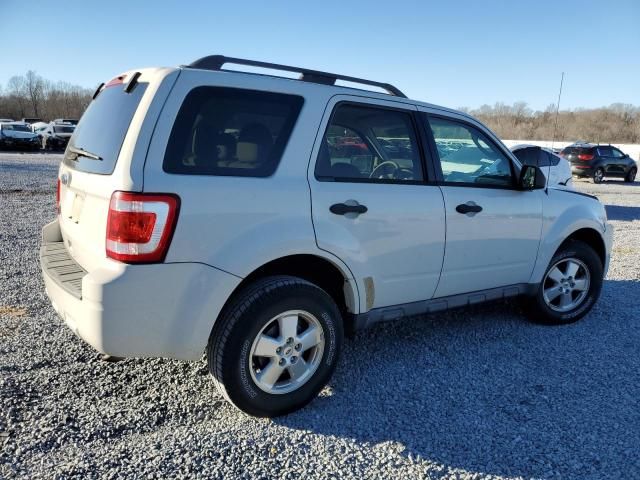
279 350
281 362
294 359
289 340
298 346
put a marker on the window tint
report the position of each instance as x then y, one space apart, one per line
548 158
103 127
467 156
616 153
228 131
604 151
64 129
369 144
577 151
528 156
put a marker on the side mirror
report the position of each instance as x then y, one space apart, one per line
531 178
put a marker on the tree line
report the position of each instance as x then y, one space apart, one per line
30 95
617 123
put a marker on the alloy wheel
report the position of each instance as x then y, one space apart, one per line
286 352
598 176
566 285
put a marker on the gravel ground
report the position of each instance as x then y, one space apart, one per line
471 394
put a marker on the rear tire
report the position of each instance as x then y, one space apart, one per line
598 175
548 306
261 318
631 176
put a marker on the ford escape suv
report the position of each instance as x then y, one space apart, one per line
256 218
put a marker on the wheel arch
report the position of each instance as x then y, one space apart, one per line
591 237
333 278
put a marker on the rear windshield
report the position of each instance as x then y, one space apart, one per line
577 150
229 131
102 129
64 129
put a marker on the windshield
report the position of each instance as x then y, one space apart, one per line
17 128
64 129
102 129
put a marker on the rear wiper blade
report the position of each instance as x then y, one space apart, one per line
81 152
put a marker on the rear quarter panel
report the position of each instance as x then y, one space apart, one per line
238 224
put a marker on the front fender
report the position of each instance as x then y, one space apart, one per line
566 212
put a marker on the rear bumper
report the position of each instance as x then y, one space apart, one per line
582 172
157 310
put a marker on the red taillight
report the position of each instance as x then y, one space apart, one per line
58 196
140 226
585 157
115 81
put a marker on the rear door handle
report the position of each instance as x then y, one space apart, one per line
343 208
469 207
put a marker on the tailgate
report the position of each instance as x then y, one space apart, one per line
107 153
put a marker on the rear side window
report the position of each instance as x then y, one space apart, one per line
102 129
229 131
528 156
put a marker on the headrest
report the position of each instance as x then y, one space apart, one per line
254 143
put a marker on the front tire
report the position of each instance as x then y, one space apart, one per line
275 346
570 286
631 176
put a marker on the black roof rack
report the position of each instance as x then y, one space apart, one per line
215 62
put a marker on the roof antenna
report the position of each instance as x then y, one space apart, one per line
555 128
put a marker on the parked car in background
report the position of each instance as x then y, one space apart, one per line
72 121
31 121
6 120
56 135
254 229
556 168
38 127
18 135
600 161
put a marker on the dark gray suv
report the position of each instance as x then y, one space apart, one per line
599 161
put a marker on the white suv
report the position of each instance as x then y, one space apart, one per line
257 218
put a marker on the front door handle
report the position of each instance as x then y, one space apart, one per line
469 207
343 208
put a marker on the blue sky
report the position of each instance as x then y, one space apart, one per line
462 53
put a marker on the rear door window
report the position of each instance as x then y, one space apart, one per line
369 144
102 129
229 131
